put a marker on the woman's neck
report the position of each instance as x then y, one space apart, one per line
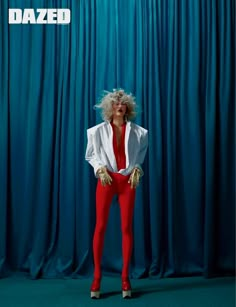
118 121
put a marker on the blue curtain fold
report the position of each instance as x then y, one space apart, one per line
178 58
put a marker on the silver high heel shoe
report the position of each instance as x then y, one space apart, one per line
126 288
95 288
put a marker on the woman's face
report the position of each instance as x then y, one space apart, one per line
119 109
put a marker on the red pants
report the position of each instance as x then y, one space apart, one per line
126 197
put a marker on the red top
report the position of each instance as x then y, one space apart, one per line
119 151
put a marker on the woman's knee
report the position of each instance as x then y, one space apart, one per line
126 229
100 228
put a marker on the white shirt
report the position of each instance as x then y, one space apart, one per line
100 151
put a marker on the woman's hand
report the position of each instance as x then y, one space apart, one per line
104 176
134 178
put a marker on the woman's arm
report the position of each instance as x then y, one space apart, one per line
142 151
90 154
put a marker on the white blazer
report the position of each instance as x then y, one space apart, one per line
100 151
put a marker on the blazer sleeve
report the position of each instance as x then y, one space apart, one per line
90 154
143 150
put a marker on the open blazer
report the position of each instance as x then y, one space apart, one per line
100 151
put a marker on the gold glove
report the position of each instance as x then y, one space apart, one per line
134 177
104 176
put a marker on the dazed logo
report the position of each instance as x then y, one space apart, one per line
39 16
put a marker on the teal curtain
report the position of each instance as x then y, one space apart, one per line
178 58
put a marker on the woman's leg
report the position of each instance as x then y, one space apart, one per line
126 201
103 201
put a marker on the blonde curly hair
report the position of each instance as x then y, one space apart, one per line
109 98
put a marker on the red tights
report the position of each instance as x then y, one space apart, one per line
126 197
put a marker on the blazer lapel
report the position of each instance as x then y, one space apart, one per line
127 133
110 147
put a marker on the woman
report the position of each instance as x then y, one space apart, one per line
116 149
